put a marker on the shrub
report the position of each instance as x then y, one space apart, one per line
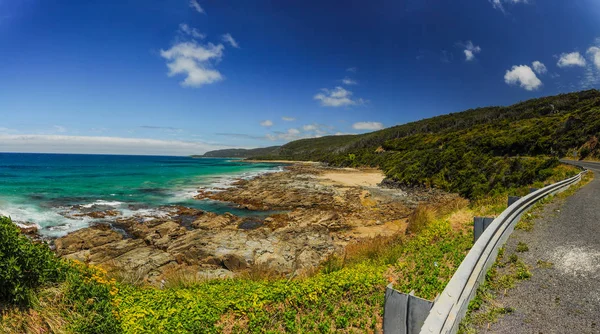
24 265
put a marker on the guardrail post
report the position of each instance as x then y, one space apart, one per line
404 314
512 199
479 225
395 311
418 311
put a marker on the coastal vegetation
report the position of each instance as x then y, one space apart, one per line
239 152
476 152
345 294
483 154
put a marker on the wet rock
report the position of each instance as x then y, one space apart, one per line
28 228
98 214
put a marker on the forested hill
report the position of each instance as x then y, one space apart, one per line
473 152
240 152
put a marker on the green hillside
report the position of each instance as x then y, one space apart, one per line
240 152
474 152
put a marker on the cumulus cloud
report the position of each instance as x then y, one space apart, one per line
594 53
571 59
186 29
539 67
349 81
101 145
367 126
337 97
470 50
288 119
195 61
196 6
227 38
352 69
524 76
266 123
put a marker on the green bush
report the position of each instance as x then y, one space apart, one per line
86 298
24 265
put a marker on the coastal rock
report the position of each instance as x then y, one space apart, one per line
234 262
86 238
315 218
99 214
28 228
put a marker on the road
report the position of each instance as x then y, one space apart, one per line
564 298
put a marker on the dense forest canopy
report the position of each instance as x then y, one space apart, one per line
473 152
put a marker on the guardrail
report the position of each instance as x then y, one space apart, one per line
451 305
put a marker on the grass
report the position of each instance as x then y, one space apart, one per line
544 264
344 295
522 247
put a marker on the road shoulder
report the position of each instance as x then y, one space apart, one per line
544 279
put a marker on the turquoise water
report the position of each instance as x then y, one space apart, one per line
47 189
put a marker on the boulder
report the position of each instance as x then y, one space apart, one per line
86 238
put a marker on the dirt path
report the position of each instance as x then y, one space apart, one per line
563 295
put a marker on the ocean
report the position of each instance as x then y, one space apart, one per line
53 190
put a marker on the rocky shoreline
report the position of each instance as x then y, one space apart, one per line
315 211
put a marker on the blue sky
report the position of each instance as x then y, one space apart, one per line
183 77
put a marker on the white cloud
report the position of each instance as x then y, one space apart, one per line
498 4
186 29
571 59
470 50
446 57
348 81
194 4
539 67
7 130
194 61
306 131
337 97
352 69
367 126
101 145
60 129
266 123
594 53
523 75
290 134
229 39
288 119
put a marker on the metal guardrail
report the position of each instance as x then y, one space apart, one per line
451 306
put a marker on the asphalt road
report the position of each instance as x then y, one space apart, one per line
564 298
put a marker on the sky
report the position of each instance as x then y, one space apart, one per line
182 77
